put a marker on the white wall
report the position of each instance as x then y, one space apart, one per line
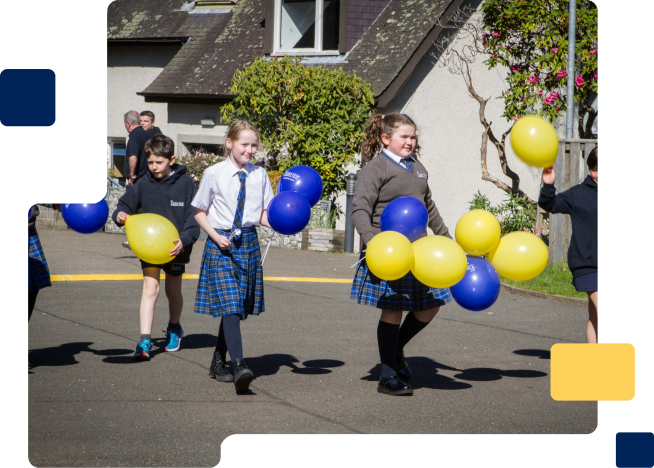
130 69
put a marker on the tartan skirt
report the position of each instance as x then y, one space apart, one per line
231 280
405 294
38 272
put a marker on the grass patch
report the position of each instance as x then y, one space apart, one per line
555 279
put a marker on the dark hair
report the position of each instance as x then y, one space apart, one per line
149 114
383 124
592 159
160 145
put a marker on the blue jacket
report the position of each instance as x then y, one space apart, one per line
580 202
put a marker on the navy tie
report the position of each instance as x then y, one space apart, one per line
238 217
407 163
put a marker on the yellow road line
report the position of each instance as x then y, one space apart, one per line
133 277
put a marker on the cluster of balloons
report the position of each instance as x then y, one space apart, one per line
440 262
299 189
534 141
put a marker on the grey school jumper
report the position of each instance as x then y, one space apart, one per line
380 182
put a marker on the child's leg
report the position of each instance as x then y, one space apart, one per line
149 298
591 326
413 324
387 334
31 301
232 332
173 286
221 345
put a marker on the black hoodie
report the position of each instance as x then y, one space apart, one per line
170 198
580 202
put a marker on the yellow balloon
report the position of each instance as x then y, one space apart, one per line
520 256
389 255
534 140
439 261
478 232
151 237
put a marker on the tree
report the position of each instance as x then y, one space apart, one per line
306 115
530 38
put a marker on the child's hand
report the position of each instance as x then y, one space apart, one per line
178 247
548 175
122 217
223 242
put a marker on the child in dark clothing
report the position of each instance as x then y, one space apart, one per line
580 202
166 190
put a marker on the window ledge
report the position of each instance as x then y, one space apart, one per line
306 53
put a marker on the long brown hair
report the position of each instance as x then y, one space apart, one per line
384 124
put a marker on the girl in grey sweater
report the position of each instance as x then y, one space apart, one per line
393 171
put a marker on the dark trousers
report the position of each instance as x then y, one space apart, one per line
31 301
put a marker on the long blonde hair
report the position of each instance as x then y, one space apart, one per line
384 124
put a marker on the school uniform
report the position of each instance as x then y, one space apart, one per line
231 280
383 179
38 272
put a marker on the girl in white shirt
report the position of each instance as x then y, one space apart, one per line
230 203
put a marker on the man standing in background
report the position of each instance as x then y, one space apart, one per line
147 122
136 164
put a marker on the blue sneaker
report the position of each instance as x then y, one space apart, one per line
173 339
143 351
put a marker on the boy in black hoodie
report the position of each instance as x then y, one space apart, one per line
166 190
580 202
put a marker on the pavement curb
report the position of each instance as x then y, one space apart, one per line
551 297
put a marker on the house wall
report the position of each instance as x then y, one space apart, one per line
130 69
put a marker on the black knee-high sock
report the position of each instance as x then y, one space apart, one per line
221 346
232 332
387 334
31 301
410 328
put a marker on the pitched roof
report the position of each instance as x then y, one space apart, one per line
145 19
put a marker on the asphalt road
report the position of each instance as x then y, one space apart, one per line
313 353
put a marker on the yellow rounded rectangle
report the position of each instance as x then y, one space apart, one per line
593 372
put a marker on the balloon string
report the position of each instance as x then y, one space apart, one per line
359 260
266 252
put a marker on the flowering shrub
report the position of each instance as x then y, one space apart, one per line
196 162
312 116
531 40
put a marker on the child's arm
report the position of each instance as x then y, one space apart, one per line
268 195
191 230
366 195
127 205
549 200
203 220
264 219
435 222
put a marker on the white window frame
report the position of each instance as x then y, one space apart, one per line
317 50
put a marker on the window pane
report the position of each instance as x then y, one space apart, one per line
331 13
298 25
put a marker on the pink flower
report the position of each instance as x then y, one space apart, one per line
494 55
561 74
551 99
595 75
506 47
507 93
554 95
593 52
496 34
557 109
555 50
484 43
514 68
485 35
516 117
533 79
540 92
579 81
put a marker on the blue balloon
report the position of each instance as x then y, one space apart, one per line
406 215
304 180
479 288
289 213
86 218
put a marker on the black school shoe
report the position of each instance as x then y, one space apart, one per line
402 368
394 386
218 371
242 376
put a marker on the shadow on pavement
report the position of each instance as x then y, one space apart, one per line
425 374
64 355
539 353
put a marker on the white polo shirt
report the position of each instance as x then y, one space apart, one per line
218 193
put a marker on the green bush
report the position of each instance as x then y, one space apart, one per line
312 116
514 214
196 162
